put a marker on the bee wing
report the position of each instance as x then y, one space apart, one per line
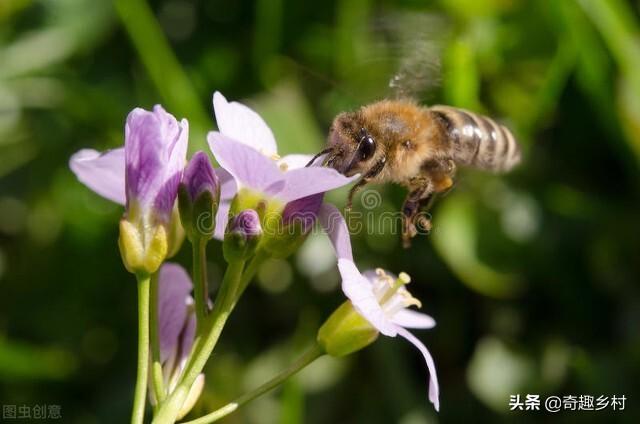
392 55
415 42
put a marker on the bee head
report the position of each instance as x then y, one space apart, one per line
351 146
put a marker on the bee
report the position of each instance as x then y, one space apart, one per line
417 147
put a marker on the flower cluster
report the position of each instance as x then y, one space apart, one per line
260 205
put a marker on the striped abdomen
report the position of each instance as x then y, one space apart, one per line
477 140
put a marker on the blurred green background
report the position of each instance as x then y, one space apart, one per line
533 277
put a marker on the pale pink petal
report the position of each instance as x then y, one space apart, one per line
294 161
228 190
176 134
155 155
242 124
144 141
303 212
303 182
433 379
249 167
174 156
174 286
336 228
408 318
188 333
360 292
101 172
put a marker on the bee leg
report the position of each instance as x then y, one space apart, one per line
440 181
357 187
313 159
371 174
423 217
415 199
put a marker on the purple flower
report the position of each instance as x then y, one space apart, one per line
177 325
144 175
199 177
382 299
246 149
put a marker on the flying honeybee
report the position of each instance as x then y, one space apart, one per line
417 147
402 142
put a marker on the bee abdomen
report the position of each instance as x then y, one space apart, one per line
477 140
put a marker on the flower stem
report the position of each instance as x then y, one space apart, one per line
247 275
307 358
140 394
156 366
215 322
250 271
201 291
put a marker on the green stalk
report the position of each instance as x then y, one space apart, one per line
140 394
156 366
307 358
201 291
214 324
250 271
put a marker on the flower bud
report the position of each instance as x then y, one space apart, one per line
142 252
345 332
243 234
198 197
192 397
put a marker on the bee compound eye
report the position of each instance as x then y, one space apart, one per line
367 147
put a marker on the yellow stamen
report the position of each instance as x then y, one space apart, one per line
404 277
384 277
394 286
410 300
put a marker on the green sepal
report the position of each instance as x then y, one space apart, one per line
285 241
198 216
345 332
236 247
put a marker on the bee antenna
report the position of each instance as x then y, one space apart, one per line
317 156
